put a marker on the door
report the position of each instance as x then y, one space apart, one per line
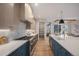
41 29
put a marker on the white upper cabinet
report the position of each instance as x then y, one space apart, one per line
28 13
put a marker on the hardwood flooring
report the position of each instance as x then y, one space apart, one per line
42 48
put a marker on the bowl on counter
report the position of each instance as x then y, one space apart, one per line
3 40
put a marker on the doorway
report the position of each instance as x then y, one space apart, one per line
41 29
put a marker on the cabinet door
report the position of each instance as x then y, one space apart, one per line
33 42
15 53
56 48
21 51
66 53
60 51
53 45
25 50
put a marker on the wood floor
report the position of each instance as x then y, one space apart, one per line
42 48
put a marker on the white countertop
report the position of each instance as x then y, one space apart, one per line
70 43
8 48
31 34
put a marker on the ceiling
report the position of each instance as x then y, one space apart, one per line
53 10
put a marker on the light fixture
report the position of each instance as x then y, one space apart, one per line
61 20
36 4
11 4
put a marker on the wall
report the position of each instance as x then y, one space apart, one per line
74 27
19 27
6 15
10 15
6 19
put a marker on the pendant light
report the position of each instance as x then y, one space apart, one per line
61 20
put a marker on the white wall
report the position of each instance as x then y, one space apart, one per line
74 29
45 10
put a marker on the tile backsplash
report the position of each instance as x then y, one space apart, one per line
18 32
5 32
75 29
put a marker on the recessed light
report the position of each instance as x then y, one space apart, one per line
36 4
11 4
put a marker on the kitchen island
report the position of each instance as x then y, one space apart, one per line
64 46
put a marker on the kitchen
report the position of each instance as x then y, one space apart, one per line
39 29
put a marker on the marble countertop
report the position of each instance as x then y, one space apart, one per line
70 43
8 48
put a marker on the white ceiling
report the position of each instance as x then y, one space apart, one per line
52 10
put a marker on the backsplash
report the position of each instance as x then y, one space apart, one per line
75 29
5 32
18 32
